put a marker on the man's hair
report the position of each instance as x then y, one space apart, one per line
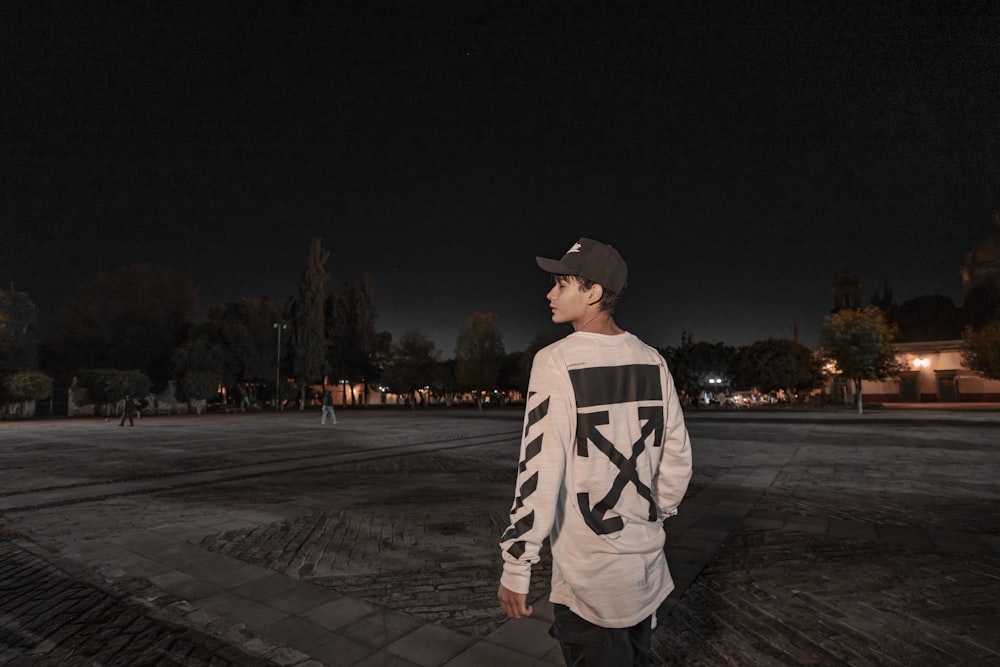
609 300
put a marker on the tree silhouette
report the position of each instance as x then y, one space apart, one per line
774 364
308 330
982 352
411 364
134 318
479 354
18 336
860 344
246 332
692 365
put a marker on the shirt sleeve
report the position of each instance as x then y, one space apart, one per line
539 474
675 465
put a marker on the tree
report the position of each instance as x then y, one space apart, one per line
199 366
860 344
774 364
134 318
110 385
357 352
381 354
479 354
346 353
18 337
27 386
543 338
245 330
21 390
700 366
982 306
366 327
982 350
510 376
308 332
411 364
442 382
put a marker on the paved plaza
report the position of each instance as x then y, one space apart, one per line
806 538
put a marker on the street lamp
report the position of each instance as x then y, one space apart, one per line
277 370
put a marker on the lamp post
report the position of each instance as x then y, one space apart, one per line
277 370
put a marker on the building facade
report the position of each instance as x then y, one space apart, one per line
933 370
934 373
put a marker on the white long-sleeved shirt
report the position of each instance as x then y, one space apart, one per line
605 457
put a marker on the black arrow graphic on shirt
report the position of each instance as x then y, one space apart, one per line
587 431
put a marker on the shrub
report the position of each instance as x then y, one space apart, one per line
110 385
28 386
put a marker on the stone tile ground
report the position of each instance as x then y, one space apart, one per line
822 539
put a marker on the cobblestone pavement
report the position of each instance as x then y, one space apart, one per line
806 538
49 616
877 543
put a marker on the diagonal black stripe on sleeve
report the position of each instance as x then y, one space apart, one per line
526 490
607 385
536 415
531 450
516 550
519 527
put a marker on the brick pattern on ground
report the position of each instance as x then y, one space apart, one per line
51 617
438 571
809 543
859 553
795 598
437 561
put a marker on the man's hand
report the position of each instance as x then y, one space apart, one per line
513 604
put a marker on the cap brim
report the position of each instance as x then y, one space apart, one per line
554 266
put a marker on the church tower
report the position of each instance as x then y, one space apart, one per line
846 293
982 266
981 280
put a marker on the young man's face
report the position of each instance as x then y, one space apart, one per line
567 301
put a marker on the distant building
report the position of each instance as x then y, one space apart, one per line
846 293
982 266
930 346
981 280
931 317
935 373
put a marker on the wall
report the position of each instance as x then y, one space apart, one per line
935 373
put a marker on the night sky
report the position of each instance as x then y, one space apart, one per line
740 155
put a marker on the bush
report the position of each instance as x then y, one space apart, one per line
110 385
28 386
199 385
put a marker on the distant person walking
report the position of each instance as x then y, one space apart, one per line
128 412
328 408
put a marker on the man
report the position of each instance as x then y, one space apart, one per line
328 408
605 458
128 412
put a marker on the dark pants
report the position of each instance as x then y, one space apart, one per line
587 645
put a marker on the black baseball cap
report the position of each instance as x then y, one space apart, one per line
593 260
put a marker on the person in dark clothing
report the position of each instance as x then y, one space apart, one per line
129 411
328 409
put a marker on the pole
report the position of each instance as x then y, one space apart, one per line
277 370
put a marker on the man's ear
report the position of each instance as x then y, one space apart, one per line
596 294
